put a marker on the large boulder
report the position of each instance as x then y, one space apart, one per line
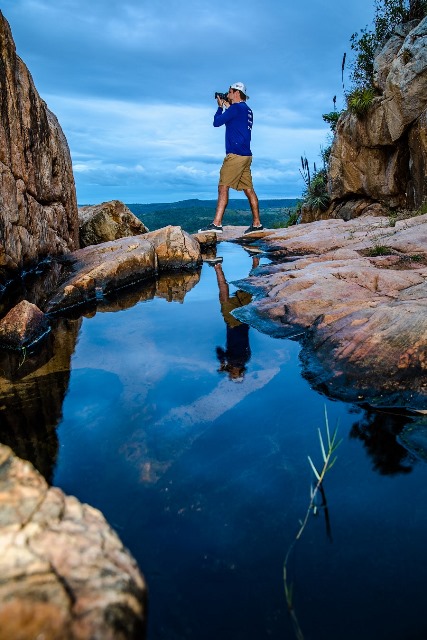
96 271
23 325
38 208
370 156
175 248
108 221
63 572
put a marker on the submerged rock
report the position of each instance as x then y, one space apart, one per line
64 572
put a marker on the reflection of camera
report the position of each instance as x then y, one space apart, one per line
221 96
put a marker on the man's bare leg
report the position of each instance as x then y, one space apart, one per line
223 288
221 204
253 201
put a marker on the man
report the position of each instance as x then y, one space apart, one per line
236 168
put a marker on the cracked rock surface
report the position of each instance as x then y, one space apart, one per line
38 208
64 574
355 293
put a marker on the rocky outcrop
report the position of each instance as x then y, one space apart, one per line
107 221
38 210
64 572
96 271
381 156
356 294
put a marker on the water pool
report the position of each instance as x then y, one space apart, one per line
194 445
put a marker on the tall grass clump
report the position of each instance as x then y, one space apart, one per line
328 447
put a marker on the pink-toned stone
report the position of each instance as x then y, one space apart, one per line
364 317
63 572
98 270
23 325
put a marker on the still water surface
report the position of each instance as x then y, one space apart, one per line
205 478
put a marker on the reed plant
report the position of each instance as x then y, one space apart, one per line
328 447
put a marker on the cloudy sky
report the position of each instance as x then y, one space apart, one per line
132 83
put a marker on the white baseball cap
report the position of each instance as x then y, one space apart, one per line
240 87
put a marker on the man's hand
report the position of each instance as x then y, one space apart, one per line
222 103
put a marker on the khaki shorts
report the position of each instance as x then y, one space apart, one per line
236 172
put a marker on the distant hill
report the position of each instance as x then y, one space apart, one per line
193 214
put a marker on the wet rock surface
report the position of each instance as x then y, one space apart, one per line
64 572
361 314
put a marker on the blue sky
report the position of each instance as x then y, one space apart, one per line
132 83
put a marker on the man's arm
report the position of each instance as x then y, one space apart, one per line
221 117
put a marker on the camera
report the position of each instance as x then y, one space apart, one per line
221 96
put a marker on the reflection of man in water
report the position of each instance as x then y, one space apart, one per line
237 352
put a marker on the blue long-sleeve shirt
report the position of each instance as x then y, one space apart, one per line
238 120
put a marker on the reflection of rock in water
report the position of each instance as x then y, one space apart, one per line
175 285
32 286
414 438
32 390
172 286
378 431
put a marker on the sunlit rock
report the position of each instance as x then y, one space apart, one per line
175 248
98 270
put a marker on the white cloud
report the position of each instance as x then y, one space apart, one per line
132 84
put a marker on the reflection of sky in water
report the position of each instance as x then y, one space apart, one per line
205 479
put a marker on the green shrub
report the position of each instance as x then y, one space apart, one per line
380 250
360 100
332 119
